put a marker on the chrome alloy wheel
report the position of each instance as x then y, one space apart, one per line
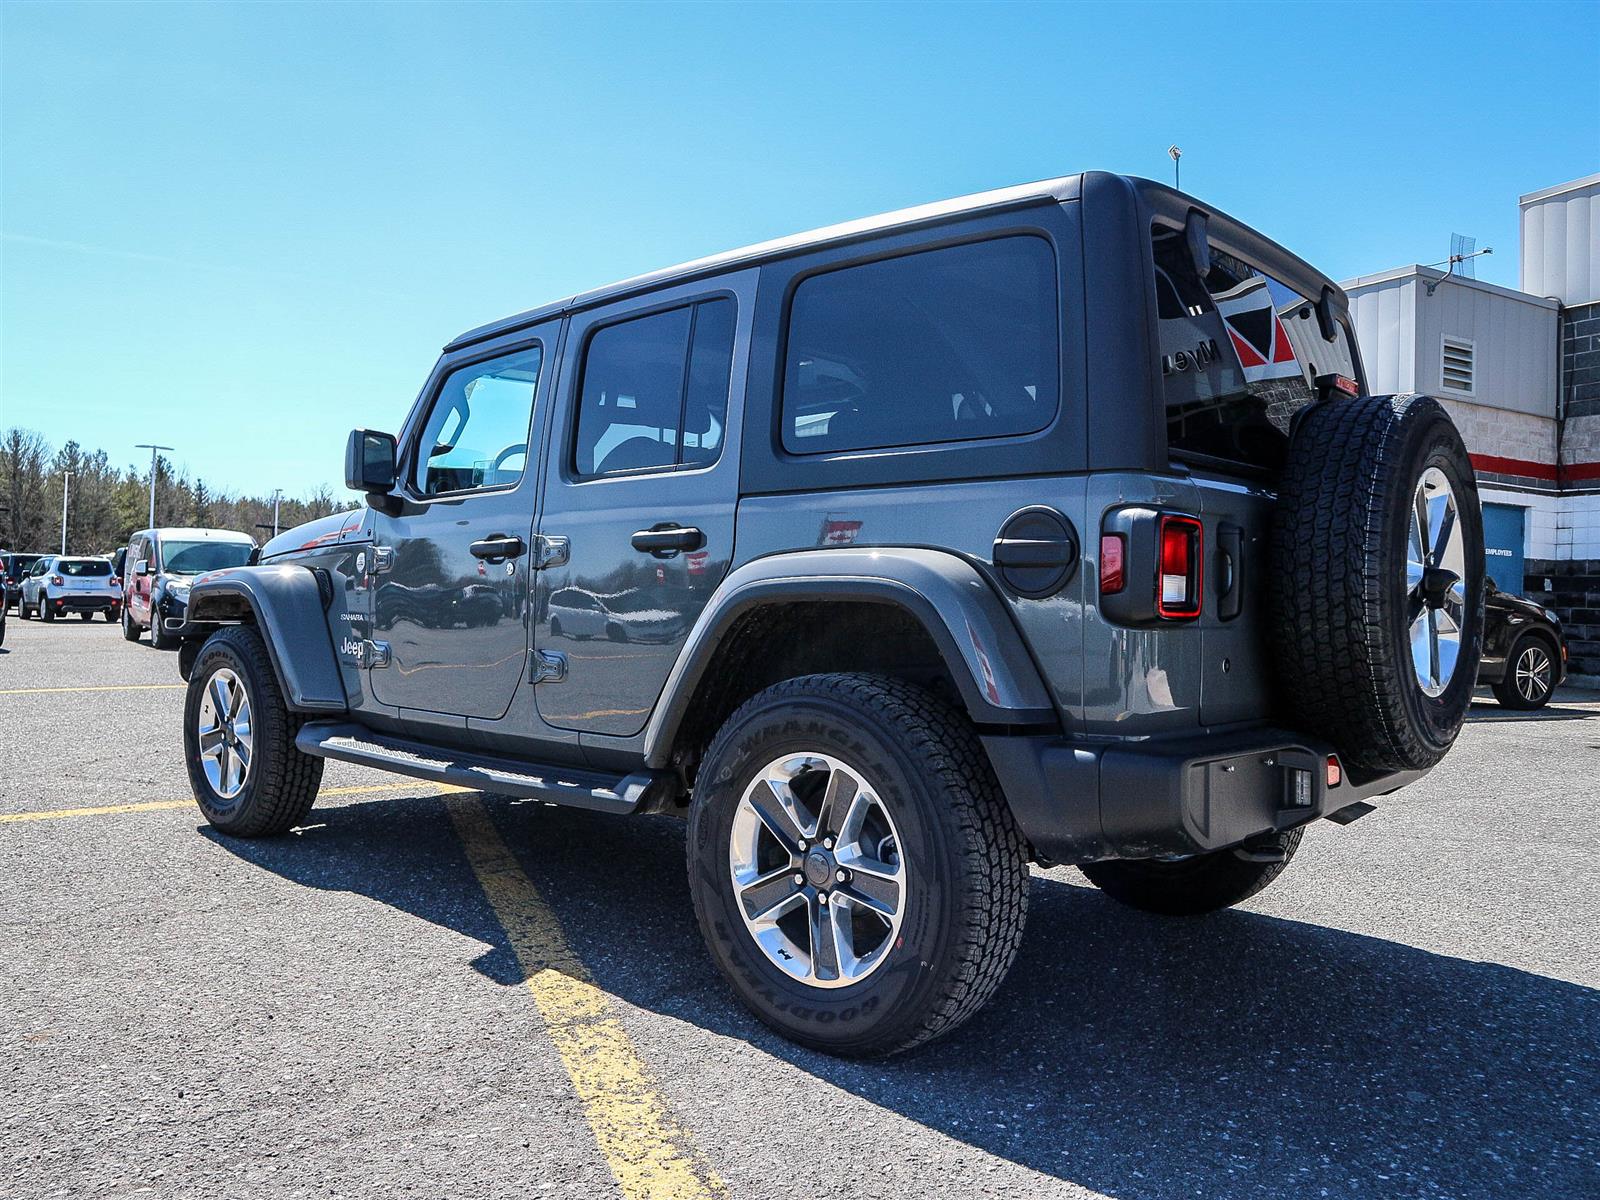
226 741
1435 565
817 870
1533 672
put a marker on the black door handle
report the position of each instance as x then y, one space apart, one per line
662 540
497 548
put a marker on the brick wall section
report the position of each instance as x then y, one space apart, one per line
1580 379
1575 596
1503 432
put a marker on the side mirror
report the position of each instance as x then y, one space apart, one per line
369 462
142 567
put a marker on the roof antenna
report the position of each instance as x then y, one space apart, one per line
1175 154
1463 249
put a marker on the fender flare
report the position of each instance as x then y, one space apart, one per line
968 622
286 602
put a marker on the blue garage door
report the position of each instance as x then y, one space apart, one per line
1503 532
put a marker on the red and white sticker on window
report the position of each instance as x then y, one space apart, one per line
1257 335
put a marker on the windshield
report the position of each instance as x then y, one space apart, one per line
83 566
196 558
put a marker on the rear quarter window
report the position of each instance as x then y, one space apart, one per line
1240 353
953 344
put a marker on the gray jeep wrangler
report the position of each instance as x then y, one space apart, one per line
1050 524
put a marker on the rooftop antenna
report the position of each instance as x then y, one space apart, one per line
1463 249
1175 154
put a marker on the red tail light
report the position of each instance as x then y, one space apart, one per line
1112 554
58 581
1178 582
1335 772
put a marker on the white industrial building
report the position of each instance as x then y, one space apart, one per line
1520 373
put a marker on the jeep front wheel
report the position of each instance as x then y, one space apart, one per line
854 868
248 777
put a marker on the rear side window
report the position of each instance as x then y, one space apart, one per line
1240 353
939 346
655 391
84 567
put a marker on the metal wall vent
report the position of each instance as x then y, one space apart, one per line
1456 367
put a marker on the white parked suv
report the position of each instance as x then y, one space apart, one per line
58 585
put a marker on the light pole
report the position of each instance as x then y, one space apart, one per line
277 497
1175 154
153 452
66 490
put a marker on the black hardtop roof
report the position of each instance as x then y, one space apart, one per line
1044 191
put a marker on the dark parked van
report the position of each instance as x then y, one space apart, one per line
1053 523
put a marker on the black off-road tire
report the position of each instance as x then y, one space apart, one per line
282 782
1505 691
1189 886
1338 606
967 893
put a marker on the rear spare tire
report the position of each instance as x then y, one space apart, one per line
1376 597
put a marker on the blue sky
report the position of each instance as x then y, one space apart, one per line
245 229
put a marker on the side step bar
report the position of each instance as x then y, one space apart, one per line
571 786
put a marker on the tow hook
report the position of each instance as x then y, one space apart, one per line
1265 849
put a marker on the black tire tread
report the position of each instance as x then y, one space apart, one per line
1338 670
286 789
990 927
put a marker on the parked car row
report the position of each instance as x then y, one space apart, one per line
152 591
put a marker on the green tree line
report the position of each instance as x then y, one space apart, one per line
107 503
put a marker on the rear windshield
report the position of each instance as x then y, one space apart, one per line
1239 354
83 566
196 558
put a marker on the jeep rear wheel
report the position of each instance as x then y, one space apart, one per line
1198 883
248 777
854 868
1376 605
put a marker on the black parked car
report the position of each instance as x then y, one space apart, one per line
13 567
1524 658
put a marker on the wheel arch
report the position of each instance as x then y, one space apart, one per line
930 606
285 603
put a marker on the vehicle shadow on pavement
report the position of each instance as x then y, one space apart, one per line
1138 1056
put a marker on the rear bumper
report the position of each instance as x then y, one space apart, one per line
78 602
1080 801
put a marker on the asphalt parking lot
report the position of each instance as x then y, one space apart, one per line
428 994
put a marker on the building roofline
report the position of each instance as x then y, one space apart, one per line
1559 189
1433 274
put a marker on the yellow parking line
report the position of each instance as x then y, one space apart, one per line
104 687
157 805
648 1152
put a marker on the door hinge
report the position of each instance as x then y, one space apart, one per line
549 666
553 551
